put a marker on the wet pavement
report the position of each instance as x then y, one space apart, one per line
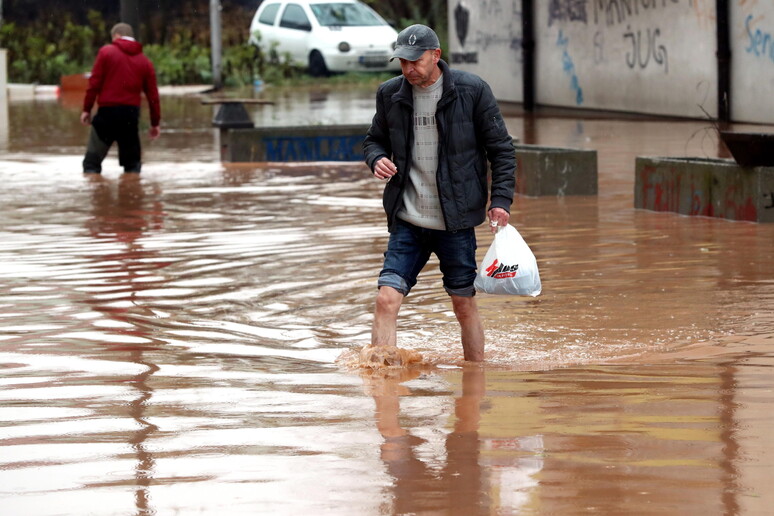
169 342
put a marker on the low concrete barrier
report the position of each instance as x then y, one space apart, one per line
705 187
300 143
555 171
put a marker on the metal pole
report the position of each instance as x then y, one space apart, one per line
4 126
216 43
724 61
130 13
528 54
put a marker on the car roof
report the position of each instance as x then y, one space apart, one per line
309 2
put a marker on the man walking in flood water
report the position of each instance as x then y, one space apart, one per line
430 139
120 74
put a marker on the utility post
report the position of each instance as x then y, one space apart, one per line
130 13
724 60
4 126
528 53
216 44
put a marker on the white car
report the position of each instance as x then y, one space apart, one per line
325 35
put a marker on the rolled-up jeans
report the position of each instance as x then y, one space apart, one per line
410 247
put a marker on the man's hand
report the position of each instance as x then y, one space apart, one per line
86 118
385 169
498 217
154 132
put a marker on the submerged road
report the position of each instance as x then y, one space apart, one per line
169 342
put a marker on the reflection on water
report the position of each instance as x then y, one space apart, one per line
119 213
419 486
169 341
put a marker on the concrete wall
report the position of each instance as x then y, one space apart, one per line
485 38
752 61
648 56
705 187
644 56
555 171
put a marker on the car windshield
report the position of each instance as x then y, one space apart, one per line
349 15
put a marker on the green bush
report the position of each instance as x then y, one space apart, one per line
183 64
44 51
34 57
49 47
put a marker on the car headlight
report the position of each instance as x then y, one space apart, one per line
344 47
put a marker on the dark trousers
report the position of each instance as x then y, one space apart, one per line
117 124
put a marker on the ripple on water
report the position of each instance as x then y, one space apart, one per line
187 332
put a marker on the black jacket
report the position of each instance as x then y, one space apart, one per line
470 130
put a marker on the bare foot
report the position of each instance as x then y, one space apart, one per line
388 356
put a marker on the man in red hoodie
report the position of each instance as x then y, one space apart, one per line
120 74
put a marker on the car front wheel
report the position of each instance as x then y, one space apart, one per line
317 67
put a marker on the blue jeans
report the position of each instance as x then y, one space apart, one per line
409 249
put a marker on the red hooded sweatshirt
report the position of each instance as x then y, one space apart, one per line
121 72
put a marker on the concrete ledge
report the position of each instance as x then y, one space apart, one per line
555 171
705 187
302 143
32 91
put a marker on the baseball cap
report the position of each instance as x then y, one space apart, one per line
413 41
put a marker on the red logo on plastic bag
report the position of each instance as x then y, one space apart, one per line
501 271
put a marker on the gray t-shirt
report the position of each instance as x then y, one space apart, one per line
421 205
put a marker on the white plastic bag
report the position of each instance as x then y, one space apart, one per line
509 266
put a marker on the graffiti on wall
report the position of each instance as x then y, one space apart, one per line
669 189
760 42
485 38
644 46
617 12
566 11
314 148
462 26
569 67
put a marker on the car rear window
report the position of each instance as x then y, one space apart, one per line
345 15
269 14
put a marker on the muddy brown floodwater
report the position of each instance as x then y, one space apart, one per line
169 343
